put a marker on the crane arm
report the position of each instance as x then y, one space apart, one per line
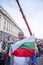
24 17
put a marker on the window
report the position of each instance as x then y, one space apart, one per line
0 19
9 27
0 16
5 24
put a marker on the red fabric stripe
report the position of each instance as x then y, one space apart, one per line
22 52
6 55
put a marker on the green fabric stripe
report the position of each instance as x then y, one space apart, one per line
8 48
28 45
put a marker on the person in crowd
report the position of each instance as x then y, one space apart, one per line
34 59
6 47
1 42
19 60
11 41
1 53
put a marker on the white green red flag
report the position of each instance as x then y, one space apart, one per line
24 48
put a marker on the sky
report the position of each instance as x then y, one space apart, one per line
33 10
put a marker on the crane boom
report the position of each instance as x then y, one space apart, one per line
24 17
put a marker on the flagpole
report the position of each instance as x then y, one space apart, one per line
24 17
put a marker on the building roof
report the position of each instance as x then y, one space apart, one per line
8 16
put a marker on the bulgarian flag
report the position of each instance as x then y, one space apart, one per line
23 48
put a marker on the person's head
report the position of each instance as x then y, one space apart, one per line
6 39
1 41
11 40
21 35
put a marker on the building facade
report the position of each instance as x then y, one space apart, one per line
8 27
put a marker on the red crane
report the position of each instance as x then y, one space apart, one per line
24 17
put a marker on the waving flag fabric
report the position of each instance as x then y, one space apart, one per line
24 48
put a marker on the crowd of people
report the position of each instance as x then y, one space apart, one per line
4 50
6 47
